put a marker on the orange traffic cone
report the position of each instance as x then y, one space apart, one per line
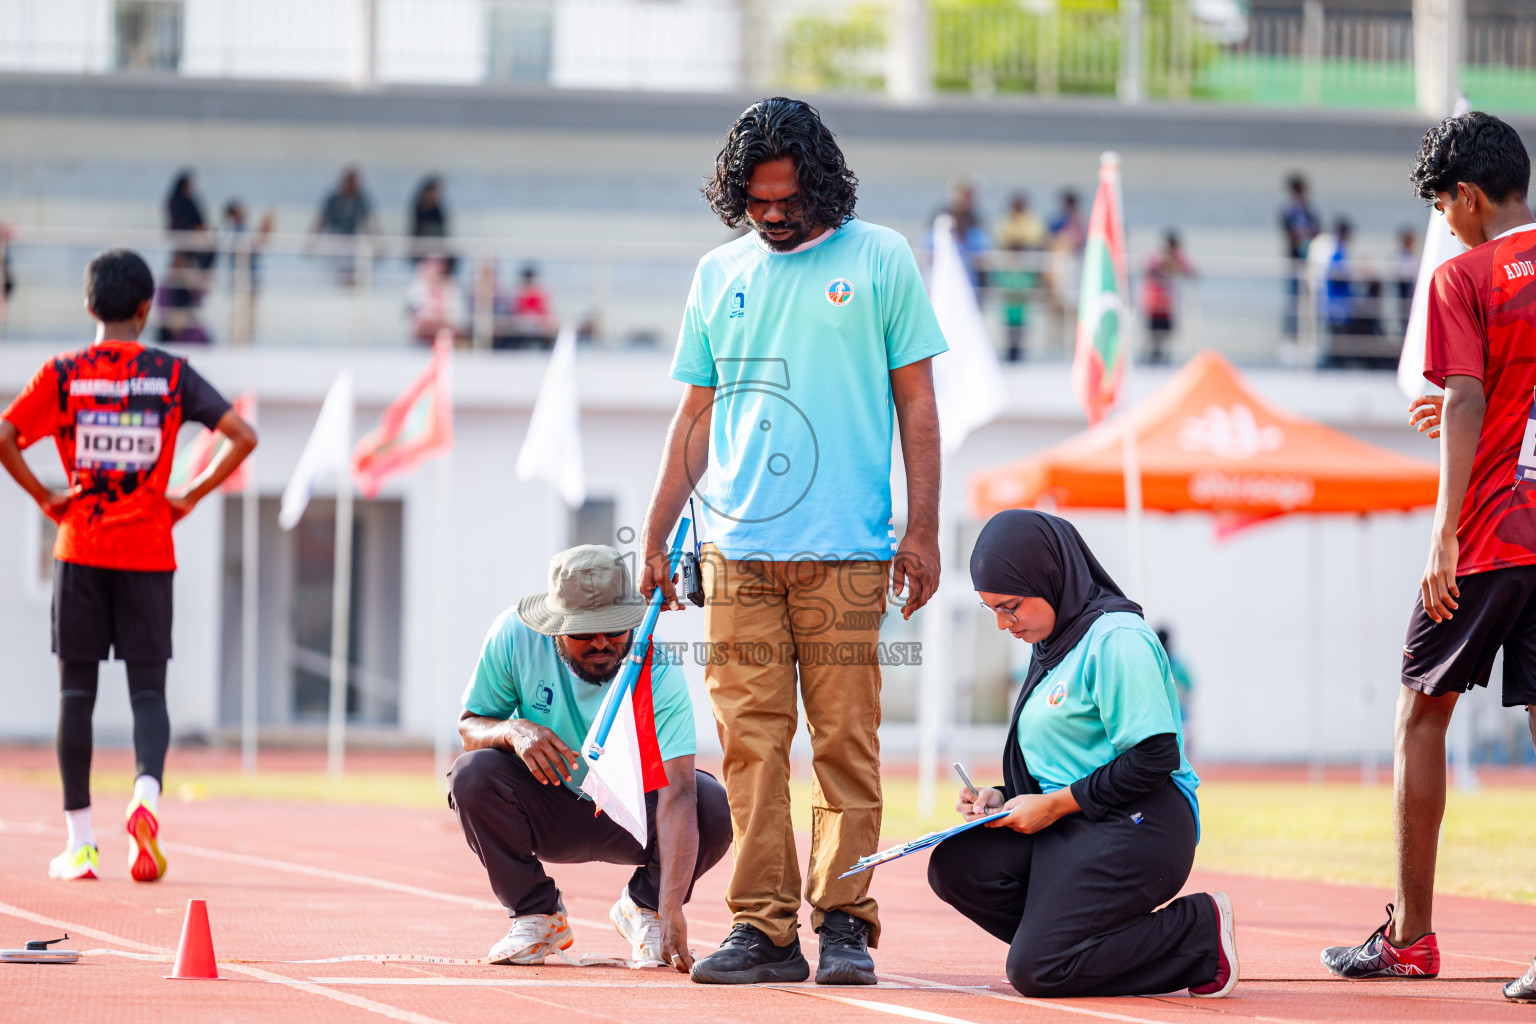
194 957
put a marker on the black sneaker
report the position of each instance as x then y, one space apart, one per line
844 958
1523 989
748 957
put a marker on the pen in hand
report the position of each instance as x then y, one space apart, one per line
975 793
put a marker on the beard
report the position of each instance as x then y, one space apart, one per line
586 675
799 230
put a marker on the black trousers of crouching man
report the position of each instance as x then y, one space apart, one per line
514 823
1076 901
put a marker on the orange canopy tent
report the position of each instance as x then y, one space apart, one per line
1209 444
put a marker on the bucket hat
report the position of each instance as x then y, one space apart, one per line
590 591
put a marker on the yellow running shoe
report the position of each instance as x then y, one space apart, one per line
145 864
72 864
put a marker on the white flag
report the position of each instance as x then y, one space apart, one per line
552 450
328 451
1439 246
968 382
615 781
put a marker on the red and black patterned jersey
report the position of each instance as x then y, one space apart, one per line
113 410
1482 323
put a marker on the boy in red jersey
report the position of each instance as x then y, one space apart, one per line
113 411
1478 592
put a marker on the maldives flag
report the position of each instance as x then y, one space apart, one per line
415 427
199 455
1102 309
630 765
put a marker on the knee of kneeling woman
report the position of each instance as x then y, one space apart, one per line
1032 975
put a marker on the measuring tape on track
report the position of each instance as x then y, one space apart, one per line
587 960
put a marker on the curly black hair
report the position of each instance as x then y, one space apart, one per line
1475 148
774 128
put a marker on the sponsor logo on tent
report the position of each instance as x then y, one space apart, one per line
1252 490
1228 433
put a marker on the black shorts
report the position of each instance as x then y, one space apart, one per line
117 611
1496 609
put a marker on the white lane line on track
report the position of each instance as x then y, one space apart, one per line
894 1009
381 1009
1047 1004
536 983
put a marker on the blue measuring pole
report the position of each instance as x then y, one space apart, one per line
631 670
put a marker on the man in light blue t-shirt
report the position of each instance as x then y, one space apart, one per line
804 343
543 673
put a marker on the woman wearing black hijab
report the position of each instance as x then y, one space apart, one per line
1104 818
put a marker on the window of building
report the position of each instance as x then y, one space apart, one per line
594 522
519 41
147 35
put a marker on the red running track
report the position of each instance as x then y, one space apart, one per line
304 881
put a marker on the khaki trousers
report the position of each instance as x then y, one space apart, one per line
769 623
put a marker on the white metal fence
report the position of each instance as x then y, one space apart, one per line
374 291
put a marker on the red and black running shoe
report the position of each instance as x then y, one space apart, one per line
1378 958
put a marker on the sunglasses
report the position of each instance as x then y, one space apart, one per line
589 637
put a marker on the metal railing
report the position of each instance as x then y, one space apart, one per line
367 292
983 47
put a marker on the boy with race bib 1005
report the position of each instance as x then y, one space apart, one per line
113 411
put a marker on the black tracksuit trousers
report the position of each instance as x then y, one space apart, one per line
513 822
1075 901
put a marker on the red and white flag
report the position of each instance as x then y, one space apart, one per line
415 427
630 765
205 448
1103 305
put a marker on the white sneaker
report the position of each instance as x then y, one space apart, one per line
532 937
72 864
640 926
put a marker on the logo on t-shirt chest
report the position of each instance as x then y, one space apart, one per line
1057 694
543 697
840 291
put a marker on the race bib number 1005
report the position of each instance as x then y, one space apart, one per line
122 441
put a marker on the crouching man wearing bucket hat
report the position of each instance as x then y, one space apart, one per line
543 672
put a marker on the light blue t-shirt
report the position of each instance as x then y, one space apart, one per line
799 348
520 675
1110 692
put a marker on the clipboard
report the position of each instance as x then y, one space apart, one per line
920 843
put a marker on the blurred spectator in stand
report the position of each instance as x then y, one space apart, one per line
1405 268
429 222
7 277
1069 233
185 222
531 323
345 214
179 301
970 233
435 301
1339 293
1160 295
488 306
1022 236
242 247
1300 226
